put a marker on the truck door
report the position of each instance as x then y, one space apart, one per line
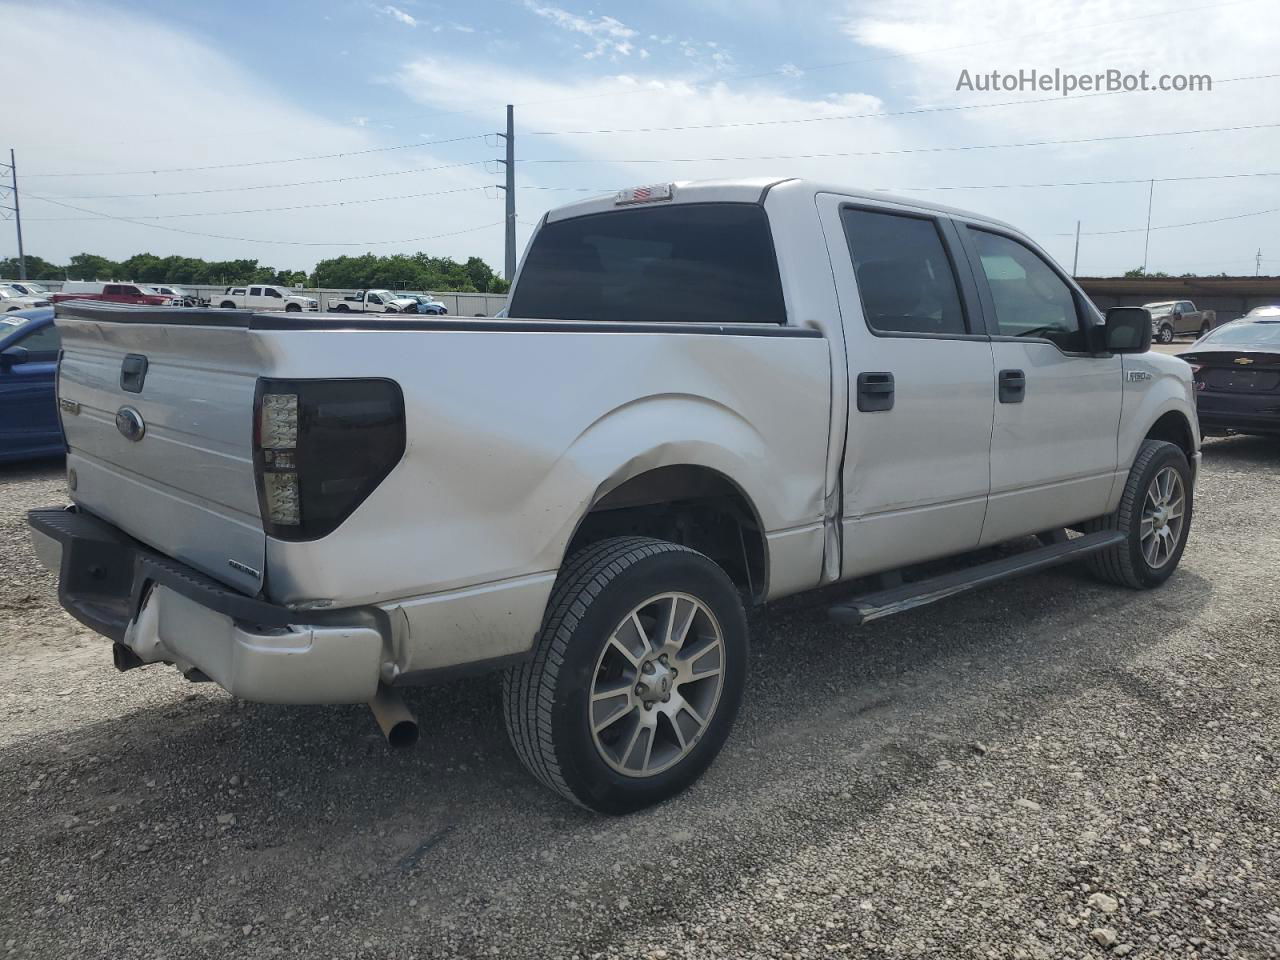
28 402
1057 415
921 386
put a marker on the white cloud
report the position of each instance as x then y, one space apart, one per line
609 34
928 43
401 16
190 106
626 101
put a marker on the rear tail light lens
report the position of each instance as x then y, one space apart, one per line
320 448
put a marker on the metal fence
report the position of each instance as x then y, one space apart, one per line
458 304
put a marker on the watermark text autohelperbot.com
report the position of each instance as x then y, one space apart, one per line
1065 83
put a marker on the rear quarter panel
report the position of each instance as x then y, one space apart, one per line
511 438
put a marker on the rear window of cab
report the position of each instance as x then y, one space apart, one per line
678 263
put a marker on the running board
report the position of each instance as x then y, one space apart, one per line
873 606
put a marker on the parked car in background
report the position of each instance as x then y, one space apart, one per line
374 301
1237 374
12 299
1177 318
179 296
27 288
265 297
29 425
840 384
135 293
428 304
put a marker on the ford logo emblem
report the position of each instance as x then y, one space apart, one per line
130 423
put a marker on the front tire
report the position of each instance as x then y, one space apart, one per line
1155 516
636 677
292 308
1166 333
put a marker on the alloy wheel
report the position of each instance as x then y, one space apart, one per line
656 684
1163 517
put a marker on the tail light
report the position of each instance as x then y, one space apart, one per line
320 447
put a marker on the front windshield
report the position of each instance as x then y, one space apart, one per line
1159 308
1256 333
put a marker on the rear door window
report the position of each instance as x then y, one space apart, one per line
682 263
42 344
905 278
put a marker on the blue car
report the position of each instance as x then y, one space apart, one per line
29 425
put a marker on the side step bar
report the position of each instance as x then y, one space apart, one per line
873 606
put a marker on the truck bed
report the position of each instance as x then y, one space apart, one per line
513 429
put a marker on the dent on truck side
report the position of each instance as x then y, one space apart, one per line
511 438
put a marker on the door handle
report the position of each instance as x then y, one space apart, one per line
875 392
1013 386
133 373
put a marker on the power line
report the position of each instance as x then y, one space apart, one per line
859 116
300 206
1089 183
905 150
608 190
1174 226
791 70
451 166
979 186
293 243
266 163
270 186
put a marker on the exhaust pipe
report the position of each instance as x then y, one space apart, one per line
399 726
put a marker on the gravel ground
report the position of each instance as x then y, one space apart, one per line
1052 768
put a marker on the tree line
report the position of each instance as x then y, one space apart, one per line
417 271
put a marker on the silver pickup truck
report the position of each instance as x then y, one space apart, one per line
839 386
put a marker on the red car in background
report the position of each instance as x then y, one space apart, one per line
111 293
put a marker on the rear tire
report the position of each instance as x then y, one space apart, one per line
1205 328
343 308
227 305
1141 517
620 708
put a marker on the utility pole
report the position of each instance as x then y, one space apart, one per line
17 214
1146 246
1257 261
1075 261
509 266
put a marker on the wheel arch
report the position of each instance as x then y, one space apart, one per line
1174 427
692 504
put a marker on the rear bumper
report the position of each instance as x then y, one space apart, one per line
167 612
1243 412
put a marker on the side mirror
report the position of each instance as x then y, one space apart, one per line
1128 330
12 356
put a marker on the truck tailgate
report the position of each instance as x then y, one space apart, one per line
157 408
